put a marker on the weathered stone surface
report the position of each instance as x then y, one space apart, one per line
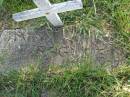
24 46
55 46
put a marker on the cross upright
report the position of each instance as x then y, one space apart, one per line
45 8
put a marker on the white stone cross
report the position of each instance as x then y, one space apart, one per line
45 8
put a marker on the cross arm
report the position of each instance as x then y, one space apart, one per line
67 6
54 19
29 14
42 4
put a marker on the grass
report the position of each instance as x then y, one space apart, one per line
77 80
105 15
93 13
81 79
